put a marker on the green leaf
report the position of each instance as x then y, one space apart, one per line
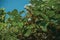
20 24
50 13
27 33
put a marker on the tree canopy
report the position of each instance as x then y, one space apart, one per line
41 22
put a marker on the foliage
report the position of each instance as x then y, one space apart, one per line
41 22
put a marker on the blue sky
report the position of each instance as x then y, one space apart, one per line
9 5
